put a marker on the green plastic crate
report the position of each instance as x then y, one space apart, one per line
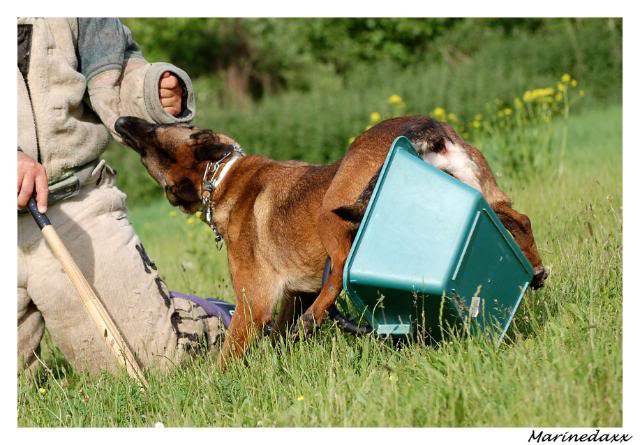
431 250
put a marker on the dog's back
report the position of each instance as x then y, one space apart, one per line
436 142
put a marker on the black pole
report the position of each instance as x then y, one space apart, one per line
40 218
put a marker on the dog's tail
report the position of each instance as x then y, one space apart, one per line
355 212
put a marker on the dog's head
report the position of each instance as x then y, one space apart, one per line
175 155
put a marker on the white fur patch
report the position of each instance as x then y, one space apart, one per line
455 160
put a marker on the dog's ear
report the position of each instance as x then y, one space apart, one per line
211 152
203 137
208 146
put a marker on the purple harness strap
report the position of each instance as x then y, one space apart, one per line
212 306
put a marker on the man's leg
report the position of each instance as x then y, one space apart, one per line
30 323
94 226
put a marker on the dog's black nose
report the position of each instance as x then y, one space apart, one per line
121 124
539 275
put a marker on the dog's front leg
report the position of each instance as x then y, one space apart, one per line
241 332
256 295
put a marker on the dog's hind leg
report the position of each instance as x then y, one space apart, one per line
518 224
292 307
444 148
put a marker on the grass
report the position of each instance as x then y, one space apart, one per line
561 364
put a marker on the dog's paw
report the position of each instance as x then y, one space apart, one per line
309 325
540 274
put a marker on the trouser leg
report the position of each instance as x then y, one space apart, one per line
95 229
30 324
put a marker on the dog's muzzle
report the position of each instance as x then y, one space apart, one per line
130 129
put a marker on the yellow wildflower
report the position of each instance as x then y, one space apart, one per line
559 97
42 391
190 220
561 87
198 214
173 213
507 111
517 103
300 398
375 117
451 117
394 99
565 78
439 113
476 124
574 83
542 92
539 93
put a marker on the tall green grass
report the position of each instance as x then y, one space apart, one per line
560 366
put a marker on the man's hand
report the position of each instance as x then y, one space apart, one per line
170 93
31 175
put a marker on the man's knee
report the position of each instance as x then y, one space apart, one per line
30 332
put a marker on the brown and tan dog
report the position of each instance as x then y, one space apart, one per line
281 220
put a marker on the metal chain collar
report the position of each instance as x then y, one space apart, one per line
210 181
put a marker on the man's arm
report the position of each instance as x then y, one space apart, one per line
121 83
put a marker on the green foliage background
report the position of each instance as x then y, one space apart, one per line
300 88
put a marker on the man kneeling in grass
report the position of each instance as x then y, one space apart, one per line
60 141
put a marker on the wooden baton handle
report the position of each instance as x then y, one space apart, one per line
107 328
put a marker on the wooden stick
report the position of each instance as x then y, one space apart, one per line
107 328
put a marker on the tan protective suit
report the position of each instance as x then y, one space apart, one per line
57 127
